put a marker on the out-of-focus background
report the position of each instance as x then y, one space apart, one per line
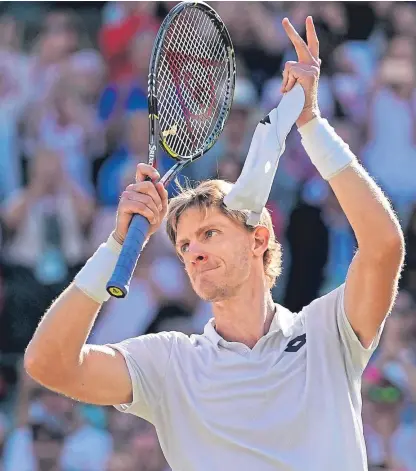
73 126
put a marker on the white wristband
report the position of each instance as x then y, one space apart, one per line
327 151
93 277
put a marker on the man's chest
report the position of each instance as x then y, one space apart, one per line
244 388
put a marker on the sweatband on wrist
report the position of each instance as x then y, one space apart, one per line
327 151
93 277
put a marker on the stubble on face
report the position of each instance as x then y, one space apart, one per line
228 251
224 282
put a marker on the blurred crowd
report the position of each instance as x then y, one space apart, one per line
73 127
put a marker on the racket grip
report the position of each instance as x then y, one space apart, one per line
119 283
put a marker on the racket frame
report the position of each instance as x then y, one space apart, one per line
153 92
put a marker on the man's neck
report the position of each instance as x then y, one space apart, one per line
244 318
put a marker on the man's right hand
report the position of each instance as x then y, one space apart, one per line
147 198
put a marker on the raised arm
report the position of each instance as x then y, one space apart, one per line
58 356
373 276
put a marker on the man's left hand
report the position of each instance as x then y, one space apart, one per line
306 70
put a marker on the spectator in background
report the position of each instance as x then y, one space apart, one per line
58 39
32 445
45 228
382 30
331 26
126 43
390 154
145 448
3 432
409 276
254 29
68 125
389 392
88 72
404 19
121 461
342 244
132 150
50 435
395 358
116 37
87 447
130 94
350 83
234 142
11 33
136 447
14 93
230 169
308 254
241 122
390 442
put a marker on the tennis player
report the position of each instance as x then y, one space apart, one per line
262 388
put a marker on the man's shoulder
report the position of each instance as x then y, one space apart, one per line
180 345
157 347
328 301
319 312
177 338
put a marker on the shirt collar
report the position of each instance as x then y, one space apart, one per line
282 320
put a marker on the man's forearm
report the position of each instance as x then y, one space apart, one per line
56 347
367 209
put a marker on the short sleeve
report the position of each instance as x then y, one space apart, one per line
326 316
356 352
147 358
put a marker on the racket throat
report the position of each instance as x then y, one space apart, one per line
172 172
152 154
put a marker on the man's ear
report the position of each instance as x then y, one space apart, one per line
261 236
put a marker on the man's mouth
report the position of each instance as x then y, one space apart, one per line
200 272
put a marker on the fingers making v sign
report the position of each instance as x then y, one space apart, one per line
306 70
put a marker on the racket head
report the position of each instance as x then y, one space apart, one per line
191 80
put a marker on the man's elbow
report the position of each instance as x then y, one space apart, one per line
35 367
394 248
387 248
48 372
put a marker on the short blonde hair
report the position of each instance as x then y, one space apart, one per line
210 194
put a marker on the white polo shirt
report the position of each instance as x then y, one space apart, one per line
292 403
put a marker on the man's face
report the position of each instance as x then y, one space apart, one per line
47 445
216 252
136 133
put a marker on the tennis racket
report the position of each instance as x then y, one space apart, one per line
190 92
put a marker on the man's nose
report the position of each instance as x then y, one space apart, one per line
197 256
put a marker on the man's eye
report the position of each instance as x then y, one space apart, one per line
210 233
184 248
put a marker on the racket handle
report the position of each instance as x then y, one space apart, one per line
119 283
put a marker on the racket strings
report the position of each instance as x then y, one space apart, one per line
192 82
175 68
219 70
212 48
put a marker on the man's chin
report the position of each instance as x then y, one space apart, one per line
211 293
